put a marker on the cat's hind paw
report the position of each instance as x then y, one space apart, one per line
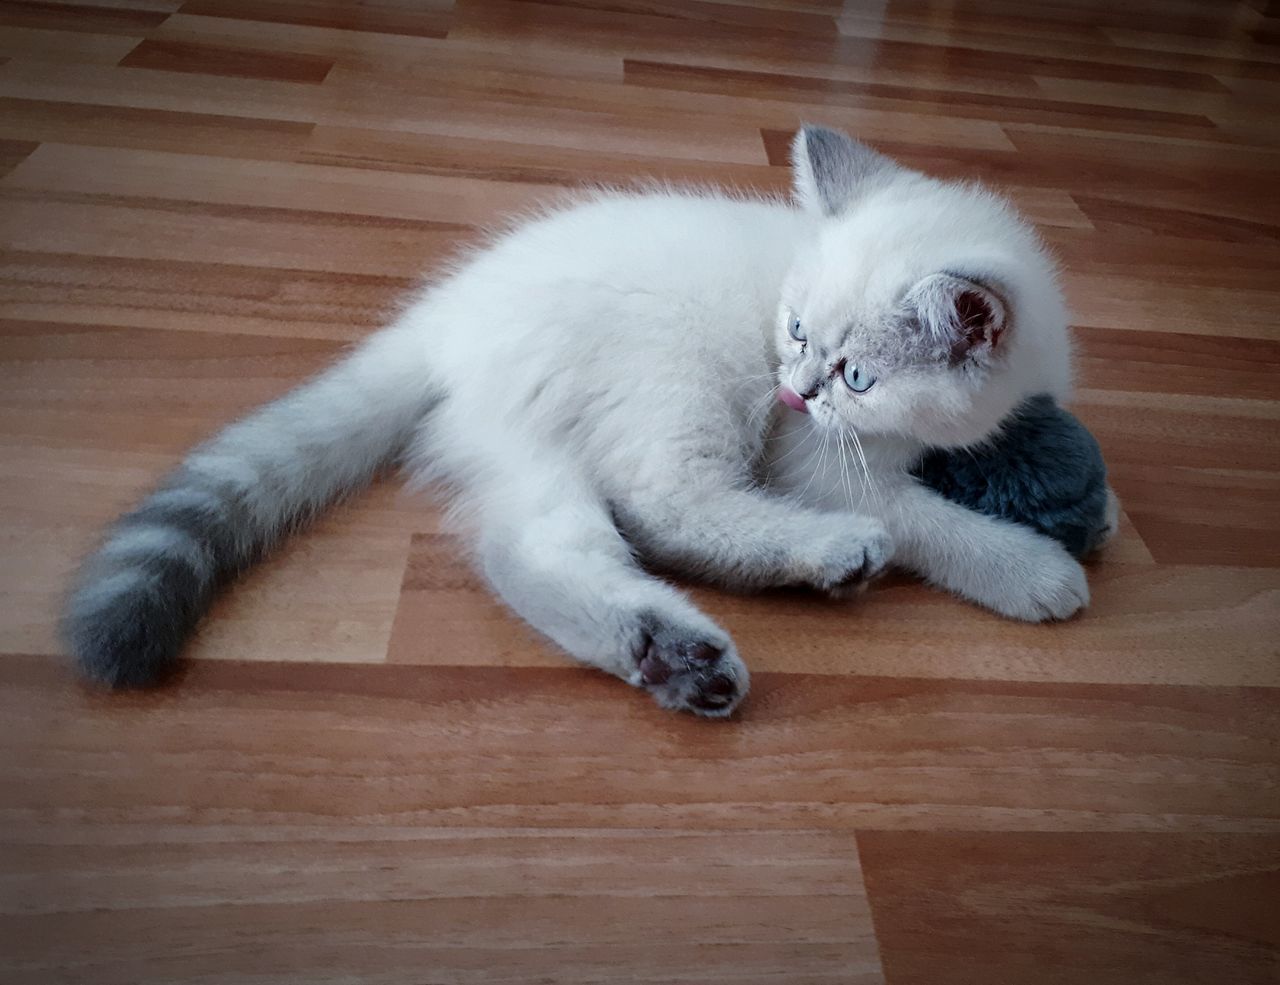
688 671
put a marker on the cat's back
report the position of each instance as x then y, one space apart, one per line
663 240
615 276
633 312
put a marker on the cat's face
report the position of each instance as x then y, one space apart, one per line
889 355
904 316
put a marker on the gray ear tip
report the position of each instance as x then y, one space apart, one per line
831 168
816 131
801 137
814 138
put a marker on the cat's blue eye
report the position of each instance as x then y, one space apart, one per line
857 379
793 327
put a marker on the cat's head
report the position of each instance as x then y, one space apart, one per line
920 308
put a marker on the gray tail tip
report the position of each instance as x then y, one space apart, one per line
130 639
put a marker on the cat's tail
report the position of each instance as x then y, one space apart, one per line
139 596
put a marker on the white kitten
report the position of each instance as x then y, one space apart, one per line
594 390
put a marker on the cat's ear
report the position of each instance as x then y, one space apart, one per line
831 169
965 317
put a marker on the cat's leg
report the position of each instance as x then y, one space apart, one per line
1003 566
705 525
554 556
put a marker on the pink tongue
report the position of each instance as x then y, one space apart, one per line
793 400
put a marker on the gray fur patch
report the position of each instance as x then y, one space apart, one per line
216 522
135 542
127 629
144 591
838 168
1042 469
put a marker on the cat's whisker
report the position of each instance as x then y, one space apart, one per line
977 462
755 377
821 474
840 459
866 469
862 486
800 445
845 468
788 453
763 405
822 461
813 454
861 473
753 381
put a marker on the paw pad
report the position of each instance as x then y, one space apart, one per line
687 672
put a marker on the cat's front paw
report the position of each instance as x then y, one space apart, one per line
689 670
1041 583
849 559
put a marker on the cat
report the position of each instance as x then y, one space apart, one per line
642 382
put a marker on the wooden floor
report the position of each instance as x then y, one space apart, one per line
371 774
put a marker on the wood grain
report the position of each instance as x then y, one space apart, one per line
371 772
418 18
89 18
1135 909
256 744
207 59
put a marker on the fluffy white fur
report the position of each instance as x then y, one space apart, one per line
595 391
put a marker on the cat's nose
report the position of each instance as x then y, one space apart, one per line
806 380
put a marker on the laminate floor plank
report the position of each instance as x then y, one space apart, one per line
1135 909
253 744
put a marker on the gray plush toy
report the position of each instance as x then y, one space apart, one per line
1044 469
